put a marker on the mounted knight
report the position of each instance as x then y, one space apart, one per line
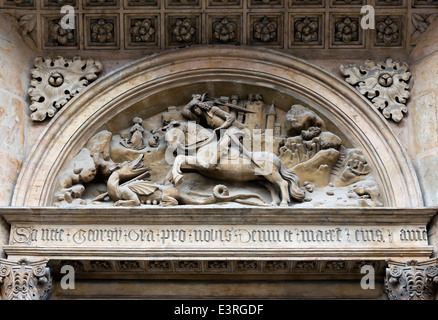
210 155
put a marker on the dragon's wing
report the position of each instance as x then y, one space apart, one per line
142 187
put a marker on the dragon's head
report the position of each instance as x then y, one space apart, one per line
130 169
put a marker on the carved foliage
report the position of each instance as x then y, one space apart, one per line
266 30
58 36
347 30
25 25
55 81
420 24
388 31
25 280
306 30
411 281
384 83
224 30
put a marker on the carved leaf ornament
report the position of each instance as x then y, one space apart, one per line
411 281
385 84
55 81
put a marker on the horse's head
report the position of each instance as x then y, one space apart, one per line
175 132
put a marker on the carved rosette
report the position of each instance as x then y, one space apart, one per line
55 81
412 280
25 280
385 84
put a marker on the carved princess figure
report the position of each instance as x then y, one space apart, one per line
136 140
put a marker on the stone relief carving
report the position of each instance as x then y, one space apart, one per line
420 23
21 3
184 30
265 30
102 30
387 30
60 36
118 28
220 151
25 280
306 30
347 30
413 280
224 30
55 81
25 25
143 31
385 84
239 266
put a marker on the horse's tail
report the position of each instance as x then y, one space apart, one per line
295 190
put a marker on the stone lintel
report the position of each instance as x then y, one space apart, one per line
218 233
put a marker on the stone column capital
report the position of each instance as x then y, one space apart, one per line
411 279
24 280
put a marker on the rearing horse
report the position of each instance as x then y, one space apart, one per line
253 166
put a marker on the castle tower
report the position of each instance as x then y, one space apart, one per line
277 129
271 115
255 120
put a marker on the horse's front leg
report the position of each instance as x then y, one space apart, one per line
176 174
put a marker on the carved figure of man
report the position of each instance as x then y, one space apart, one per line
215 118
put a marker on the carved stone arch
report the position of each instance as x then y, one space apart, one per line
157 75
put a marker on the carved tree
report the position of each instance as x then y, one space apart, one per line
55 81
385 84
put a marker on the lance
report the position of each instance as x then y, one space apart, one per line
230 105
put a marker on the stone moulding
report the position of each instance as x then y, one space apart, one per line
217 233
113 94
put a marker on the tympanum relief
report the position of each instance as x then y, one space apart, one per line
220 151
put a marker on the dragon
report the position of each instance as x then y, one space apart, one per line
137 191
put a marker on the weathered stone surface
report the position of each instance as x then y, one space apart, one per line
25 280
138 75
4 236
15 59
424 118
218 233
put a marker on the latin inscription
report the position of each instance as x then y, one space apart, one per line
223 235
